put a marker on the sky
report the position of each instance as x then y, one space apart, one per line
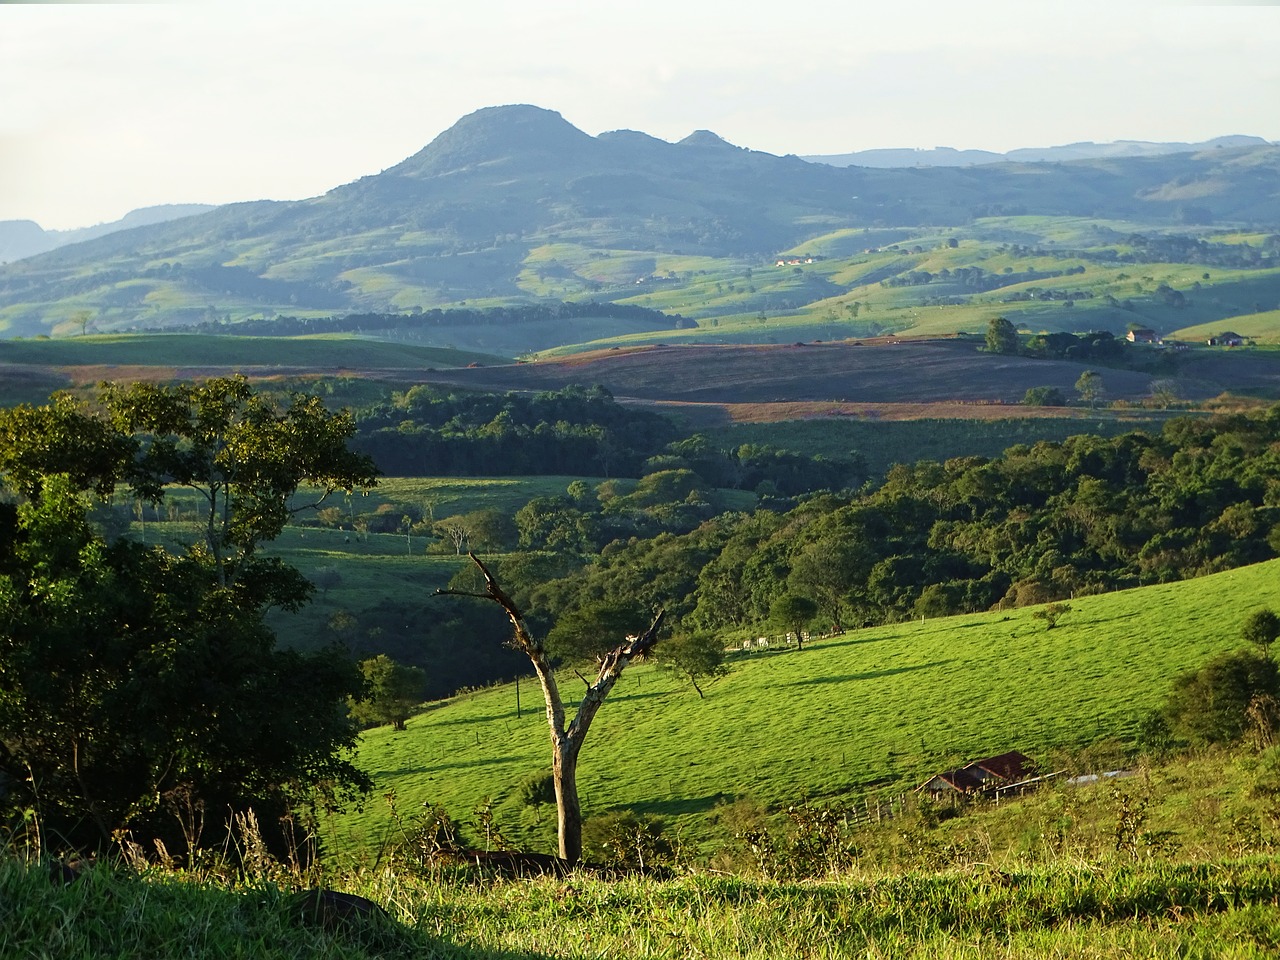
108 107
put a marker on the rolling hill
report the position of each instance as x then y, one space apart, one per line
515 204
874 710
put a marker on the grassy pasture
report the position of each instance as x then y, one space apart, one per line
1263 327
190 350
877 709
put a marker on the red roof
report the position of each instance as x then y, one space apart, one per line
1006 768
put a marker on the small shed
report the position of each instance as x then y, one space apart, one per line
1227 339
992 774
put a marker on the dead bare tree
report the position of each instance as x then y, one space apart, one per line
567 736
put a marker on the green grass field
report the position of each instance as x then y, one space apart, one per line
190 350
876 710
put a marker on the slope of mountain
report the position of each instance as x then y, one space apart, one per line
514 203
951 157
26 238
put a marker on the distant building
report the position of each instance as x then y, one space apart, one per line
1227 339
990 776
1143 335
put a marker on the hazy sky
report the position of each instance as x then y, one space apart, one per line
109 107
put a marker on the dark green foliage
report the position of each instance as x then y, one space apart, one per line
1211 705
134 683
430 432
750 466
139 682
695 655
1261 629
537 789
1002 337
1044 397
793 613
588 631
1036 525
392 692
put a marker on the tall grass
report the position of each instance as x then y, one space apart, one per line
1154 910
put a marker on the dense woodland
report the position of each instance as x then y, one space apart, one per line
427 431
1040 523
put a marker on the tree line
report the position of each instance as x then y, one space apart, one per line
1037 524
220 279
432 431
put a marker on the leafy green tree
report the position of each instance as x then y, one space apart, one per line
132 679
829 570
1002 337
1261 629
794 613
241 453
1051 613
693 655
1090 388
583 633
553 523
1044 397
1165 393
393 692
135 678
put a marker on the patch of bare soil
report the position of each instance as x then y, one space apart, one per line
889 371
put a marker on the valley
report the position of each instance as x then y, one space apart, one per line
895 412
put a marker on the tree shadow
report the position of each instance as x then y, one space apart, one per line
441 767
678 806
869 674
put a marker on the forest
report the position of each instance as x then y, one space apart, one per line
1040 523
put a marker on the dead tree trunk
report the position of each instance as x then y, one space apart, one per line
566 737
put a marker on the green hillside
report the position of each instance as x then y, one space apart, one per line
1260 327
872 711
513 204
189 350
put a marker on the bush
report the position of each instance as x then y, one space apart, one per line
1211 704
1044 397
626 840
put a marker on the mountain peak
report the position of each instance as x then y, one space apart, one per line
705 138
493 133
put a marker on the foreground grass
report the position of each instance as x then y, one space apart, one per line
1226 909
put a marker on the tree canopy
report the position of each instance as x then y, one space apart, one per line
142 685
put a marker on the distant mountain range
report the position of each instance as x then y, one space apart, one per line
25 238
951 157
514 204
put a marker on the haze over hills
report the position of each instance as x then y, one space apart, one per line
1087 150
513 204
26 238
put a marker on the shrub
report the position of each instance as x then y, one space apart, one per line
626 840
1211 704
1044 397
